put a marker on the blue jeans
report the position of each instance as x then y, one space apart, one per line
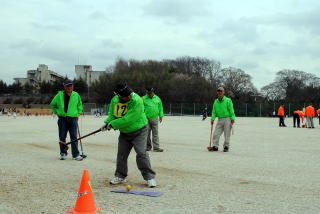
70 124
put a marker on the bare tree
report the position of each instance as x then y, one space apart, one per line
238 84
273 92
293 86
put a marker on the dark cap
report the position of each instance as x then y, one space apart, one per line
67 82
122 89
149 90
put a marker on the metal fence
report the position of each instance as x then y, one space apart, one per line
241 109
195 109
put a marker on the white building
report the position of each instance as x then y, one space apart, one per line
41 74
86 73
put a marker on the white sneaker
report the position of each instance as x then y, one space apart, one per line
152 183
63 156
117 180
78 158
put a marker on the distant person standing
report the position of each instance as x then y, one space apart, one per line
310 113
204 113
222 109
67 105
281 116
14 112
296 118
318 112
154 112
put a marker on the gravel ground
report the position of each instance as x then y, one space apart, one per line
268 169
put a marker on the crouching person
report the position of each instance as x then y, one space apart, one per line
126 114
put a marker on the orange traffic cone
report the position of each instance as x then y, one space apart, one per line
85 201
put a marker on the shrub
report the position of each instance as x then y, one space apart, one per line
7 101
18 101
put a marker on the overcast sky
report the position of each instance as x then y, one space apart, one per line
260 37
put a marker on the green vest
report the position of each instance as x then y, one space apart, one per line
74 108
153 106
127 117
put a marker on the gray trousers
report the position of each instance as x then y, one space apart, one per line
310 122
137 140
153 127
222 126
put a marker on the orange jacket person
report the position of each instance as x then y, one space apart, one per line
296 118
318 112
281 116
310 113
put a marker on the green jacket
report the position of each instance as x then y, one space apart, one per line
127 117
223 109
75 105
153 106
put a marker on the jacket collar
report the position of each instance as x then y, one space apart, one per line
223 98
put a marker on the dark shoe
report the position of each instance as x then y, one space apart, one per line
148 149
158 150
312 127
226 149
299 127
214 148
294 126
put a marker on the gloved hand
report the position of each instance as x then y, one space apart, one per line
104 127
109 126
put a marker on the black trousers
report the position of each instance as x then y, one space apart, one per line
281 121
68 124
296 119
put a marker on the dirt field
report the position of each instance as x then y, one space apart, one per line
268 170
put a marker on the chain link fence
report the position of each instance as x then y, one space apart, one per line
241 109
196 109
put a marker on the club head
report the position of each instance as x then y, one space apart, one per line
63 144
84 156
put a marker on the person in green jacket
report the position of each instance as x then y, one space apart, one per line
126 114
154 111
222 109
67 105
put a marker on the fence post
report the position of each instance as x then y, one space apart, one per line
274 107
194 109
170 110
246 110
260 109
289 109
181 110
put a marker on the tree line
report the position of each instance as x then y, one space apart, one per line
186 80
183 80
44 87
40 94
